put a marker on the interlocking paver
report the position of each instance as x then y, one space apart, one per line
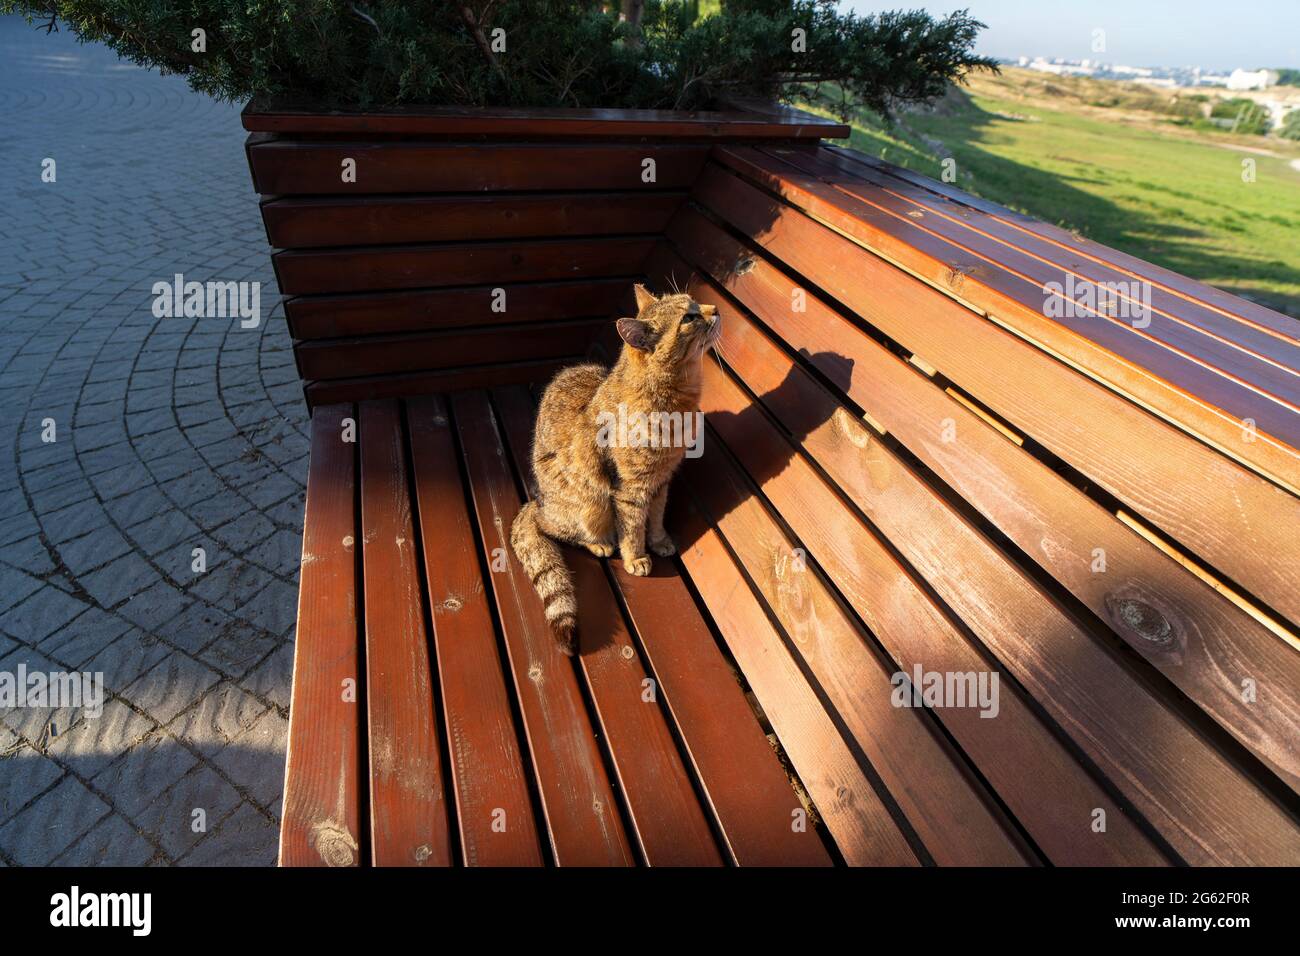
188 811
95 742
24 774
223 714
171 434
112 842
35 836
247 838
88 634
46 611
126 658
173 684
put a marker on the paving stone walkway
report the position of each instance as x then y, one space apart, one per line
171 434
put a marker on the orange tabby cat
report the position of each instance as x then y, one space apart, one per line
601 483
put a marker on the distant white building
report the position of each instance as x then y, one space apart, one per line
1251 79
1061 67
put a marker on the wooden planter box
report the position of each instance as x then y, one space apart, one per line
916 464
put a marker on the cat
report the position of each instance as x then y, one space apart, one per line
600 493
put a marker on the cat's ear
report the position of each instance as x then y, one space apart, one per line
644 297
635 333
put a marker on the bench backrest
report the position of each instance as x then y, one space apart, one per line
430 250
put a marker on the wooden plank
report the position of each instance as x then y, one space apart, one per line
950 811
493 807
756 809
321 825
426 351
1073 246
314 222
424 383
502 121
376 313
1199 802
666 815
1058 804
748 792
1260 360
582 819
1186 630
289 168
1237 522
864 830
368 268
1216 418
408 807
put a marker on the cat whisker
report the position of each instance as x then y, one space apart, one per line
719 354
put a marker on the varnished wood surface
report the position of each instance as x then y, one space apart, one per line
1201 805
767 122
908 463
321 824
493 804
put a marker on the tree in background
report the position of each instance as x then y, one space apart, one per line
582 53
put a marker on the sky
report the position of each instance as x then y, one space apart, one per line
1218 35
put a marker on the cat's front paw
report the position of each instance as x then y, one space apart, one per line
600 549
639 565
663 547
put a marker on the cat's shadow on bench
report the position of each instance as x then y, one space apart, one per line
775 443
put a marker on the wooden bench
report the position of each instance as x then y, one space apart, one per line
913 463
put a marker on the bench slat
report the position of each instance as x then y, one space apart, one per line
285 167
582 818
1201 805
424 383
669 822
494 809
408 806
425 310
450 348
1209 647
317 222
321 822
364 268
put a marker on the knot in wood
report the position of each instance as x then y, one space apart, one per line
1143 620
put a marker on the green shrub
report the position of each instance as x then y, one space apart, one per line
1290 126
1246 116
337 53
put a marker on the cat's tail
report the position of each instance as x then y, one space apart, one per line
544 562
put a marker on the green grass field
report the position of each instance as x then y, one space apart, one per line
1119 174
